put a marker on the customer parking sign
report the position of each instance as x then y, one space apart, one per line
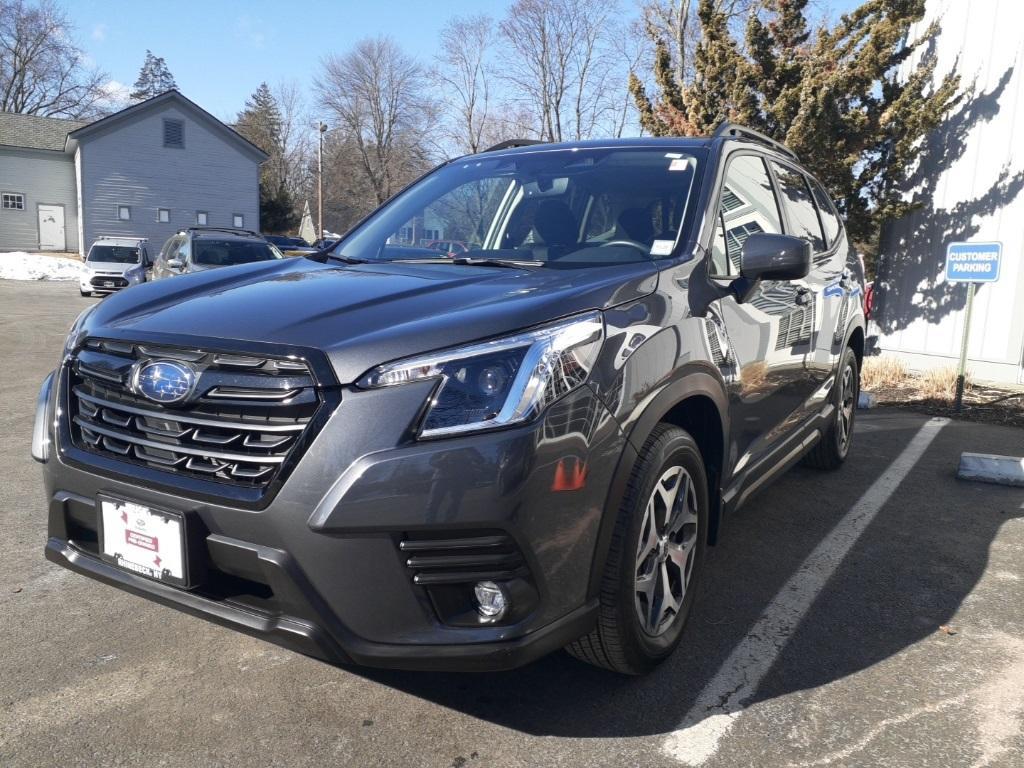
973 262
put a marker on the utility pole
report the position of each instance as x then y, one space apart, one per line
320 183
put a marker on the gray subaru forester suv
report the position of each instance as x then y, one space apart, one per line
384 455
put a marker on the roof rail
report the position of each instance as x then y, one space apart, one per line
232 230
512 143
732 130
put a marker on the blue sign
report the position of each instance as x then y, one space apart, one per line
973 262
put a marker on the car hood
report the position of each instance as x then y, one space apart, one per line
359 315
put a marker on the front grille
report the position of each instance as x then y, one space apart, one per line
245 416
100 281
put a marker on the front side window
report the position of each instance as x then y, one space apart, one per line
800 210
223 253
113 254
124 212
748 205
556 208
12 201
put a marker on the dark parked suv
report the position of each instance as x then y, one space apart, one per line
395 457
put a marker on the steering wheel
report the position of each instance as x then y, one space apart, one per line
631 243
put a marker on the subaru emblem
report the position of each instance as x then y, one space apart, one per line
164 381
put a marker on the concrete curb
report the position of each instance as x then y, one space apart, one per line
989 468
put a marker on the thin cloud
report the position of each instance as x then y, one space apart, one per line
99 32
250 31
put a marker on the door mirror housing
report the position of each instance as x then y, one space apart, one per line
775 257
175 264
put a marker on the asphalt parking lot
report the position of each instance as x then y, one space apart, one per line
872 616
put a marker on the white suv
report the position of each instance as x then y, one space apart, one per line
114 263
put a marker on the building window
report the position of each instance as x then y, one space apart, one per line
163 215
174 133
13 201
201 218
239 220
124 212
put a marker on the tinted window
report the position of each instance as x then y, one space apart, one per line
222 253
829 217
114 254
796 196
748 205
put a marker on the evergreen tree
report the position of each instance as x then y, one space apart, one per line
834 97
154 79
260 121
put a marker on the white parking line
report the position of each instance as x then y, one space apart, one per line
697 738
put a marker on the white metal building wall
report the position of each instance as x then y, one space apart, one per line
977 193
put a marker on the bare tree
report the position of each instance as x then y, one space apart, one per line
558 63
296 141
378 98
465 81
42 70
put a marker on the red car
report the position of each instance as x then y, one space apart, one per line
450 247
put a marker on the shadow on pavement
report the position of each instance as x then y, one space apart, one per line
906 576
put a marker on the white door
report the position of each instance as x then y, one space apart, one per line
51 228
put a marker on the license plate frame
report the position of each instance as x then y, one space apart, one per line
136 548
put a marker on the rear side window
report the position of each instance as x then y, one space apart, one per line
747 206
796 197
829 217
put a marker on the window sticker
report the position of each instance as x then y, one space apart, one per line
679 164
673 154
662 247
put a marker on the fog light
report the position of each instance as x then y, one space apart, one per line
491 601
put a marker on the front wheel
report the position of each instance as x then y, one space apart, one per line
655 560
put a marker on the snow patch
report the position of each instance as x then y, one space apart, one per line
19 265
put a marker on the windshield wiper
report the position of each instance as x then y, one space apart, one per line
467 261
341 257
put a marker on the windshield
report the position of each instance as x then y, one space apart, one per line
222 253
572 207
113 254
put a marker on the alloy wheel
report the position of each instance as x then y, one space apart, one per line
666 550
847 404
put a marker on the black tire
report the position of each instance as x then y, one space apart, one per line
833 448
85 293
620 642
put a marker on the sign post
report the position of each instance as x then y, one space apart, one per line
970 263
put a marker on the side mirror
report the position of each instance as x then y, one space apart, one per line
775 257
175 264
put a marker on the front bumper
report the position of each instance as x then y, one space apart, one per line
320 569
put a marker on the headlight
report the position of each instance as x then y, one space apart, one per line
72 339
500 382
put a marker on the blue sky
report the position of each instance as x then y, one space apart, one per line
220 51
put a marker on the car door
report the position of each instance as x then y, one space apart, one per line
768 334
821 291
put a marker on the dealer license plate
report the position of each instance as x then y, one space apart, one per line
142 540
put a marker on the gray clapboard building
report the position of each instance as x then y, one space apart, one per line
147 171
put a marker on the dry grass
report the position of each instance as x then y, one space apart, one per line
889 378
884 373
940 384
